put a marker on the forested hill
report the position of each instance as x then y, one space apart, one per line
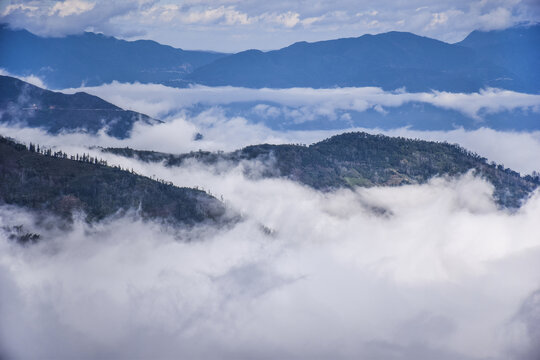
22 103
52 182
361 159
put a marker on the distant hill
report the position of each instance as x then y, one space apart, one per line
503 58
54 183
391 60
360 159
25 104
94 59
516 49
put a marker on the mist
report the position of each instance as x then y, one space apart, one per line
517 150
160 100
437 271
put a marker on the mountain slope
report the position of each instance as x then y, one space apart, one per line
516 49
390 60
25 104
360 159
60 185
94 59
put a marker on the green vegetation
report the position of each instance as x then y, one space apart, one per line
42 180
361 159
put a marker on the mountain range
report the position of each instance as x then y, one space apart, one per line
52 182
360 159
502 58
391 60
24 104
94 59
516 49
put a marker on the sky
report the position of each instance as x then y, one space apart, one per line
235 25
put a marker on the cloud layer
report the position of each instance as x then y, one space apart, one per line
160 101
223 131
443 275
229 25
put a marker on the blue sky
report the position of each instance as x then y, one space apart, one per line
234 25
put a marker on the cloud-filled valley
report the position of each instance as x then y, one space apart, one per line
408 272
305 274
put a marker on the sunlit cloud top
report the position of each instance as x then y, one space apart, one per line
233 25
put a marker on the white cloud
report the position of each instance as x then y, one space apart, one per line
32 79
59 18
288 19
438 18
223 15
499 18
71 7
19 7
157 100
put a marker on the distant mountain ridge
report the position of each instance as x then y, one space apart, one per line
95 59
361 159
390 60
504 59
516 49
22 103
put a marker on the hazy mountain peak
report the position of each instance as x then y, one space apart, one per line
22 103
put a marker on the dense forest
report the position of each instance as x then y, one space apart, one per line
43 180
361 159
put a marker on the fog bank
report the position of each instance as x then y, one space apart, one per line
436 272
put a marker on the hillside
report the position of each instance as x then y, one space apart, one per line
94 59
22 103
516 49
360 159
390 60
57 184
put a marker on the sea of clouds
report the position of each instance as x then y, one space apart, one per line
436 272
440 273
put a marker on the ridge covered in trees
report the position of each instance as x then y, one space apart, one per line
361 159
45 180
